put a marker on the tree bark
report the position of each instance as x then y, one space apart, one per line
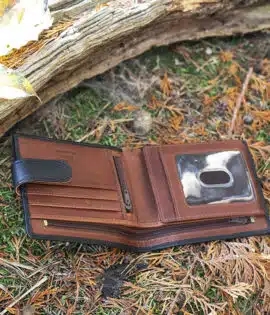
100 39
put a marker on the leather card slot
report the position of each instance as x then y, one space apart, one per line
159 185
74 203
72 192
71 214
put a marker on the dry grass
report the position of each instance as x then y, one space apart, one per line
191 97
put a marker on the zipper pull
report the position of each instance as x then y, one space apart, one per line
122 181
243 220
127 200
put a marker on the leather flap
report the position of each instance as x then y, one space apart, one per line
40 171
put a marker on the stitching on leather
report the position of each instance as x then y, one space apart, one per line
149 168
171 218
156 194
150 171
129 183
37 191
204 214
74 206
151 221
176 207
117 187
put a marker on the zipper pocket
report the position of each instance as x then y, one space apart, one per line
149 232
122 181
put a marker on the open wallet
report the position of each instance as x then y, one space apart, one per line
141 199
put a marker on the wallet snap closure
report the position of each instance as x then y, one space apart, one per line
40 171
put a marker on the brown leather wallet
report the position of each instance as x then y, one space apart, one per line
141 199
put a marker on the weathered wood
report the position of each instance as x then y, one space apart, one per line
99 40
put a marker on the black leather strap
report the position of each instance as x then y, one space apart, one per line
41 171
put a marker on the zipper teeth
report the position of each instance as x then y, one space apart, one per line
143 234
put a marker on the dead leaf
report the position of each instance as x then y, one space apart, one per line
40 296
12 310
14 85
207 100
165 85
226 56
125 106
154 104
264 115
176 121
234 68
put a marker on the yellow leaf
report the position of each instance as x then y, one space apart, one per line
14 85
20 15
5 4
232 94
91 282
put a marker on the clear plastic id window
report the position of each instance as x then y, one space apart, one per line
216 177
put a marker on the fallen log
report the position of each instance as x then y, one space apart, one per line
100 37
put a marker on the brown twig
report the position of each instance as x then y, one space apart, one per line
39 283
15 264
94 131
240 100
175 301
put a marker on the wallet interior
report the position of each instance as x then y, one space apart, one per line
140 199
